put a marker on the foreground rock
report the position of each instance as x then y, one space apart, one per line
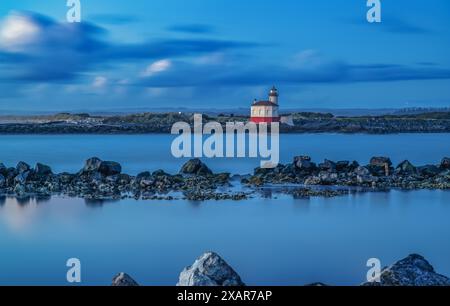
123 280
413 270
195 166
209 270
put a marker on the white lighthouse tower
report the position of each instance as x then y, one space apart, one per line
273 95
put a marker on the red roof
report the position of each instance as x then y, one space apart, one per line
264 103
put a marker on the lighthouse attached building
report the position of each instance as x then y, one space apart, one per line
266 111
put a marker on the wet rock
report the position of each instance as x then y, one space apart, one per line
342 165
22 177
327 178
195 166
429 170
362 171
304 163
413 270
66 178
3 169
108 168
92 165
405 167
42 170
312 180
209 270
316 285
123 280
445 163
2 181
22 167
327 165
380 161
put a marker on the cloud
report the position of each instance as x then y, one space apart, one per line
17 31
99 82
192 28
157 67
41 49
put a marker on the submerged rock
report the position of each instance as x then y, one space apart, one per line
195 166
123 280
413 270
209 270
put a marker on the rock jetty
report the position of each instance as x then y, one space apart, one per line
104 180
380 173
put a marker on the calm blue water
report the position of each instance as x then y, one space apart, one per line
151 152
268 241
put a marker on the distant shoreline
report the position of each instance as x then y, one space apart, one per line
161 123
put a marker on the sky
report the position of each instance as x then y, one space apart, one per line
217 54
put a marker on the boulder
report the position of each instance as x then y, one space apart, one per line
108 168
362 171
405 167
342 165
22 177
22 167
304 163
429 170
445 163
123 280
3 169
92 164
195 166
328 178
413 270
327 165
42 170
353 165
380 161
2 181
209 270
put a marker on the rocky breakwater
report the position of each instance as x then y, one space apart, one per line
104 180
378 174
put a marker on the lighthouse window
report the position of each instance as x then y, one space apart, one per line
261 112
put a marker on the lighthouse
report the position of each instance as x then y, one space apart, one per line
266 111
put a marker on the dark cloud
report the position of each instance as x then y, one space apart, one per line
396 25
61 51
192 28
325 73
393 24
113 19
